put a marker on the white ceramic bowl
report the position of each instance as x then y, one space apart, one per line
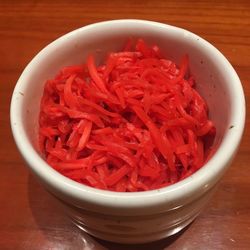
140 216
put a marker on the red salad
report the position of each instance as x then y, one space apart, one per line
133 123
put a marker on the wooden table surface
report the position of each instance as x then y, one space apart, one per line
29 217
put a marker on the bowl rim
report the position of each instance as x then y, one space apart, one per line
201 180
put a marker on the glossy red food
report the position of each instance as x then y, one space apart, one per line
134 123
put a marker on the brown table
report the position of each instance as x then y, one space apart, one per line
29 218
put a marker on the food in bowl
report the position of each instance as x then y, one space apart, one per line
134 123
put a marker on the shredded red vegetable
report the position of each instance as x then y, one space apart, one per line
134 123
